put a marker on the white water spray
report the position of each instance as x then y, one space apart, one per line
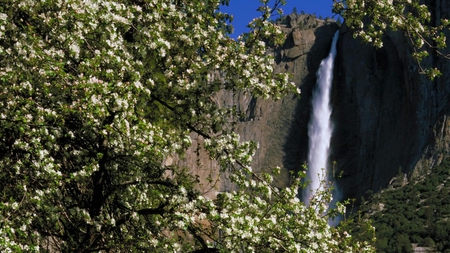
320 127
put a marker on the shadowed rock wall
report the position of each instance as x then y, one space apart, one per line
387 116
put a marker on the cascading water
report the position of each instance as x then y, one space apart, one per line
320 127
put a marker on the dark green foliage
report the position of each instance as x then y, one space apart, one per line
417 213
403 244
428 242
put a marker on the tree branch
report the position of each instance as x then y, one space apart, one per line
191 127
99 177
144 211
206 250
147 211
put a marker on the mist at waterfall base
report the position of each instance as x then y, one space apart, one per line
320 127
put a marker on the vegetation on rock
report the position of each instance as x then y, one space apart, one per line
415 213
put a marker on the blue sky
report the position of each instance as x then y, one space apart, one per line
245 10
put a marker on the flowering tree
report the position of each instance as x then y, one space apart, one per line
96 94
371 19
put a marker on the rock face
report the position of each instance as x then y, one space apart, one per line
387 116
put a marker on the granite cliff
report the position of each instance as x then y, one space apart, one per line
387 117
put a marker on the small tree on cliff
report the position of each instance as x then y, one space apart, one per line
95 95
370 19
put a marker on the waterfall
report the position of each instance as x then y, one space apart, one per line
320 127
